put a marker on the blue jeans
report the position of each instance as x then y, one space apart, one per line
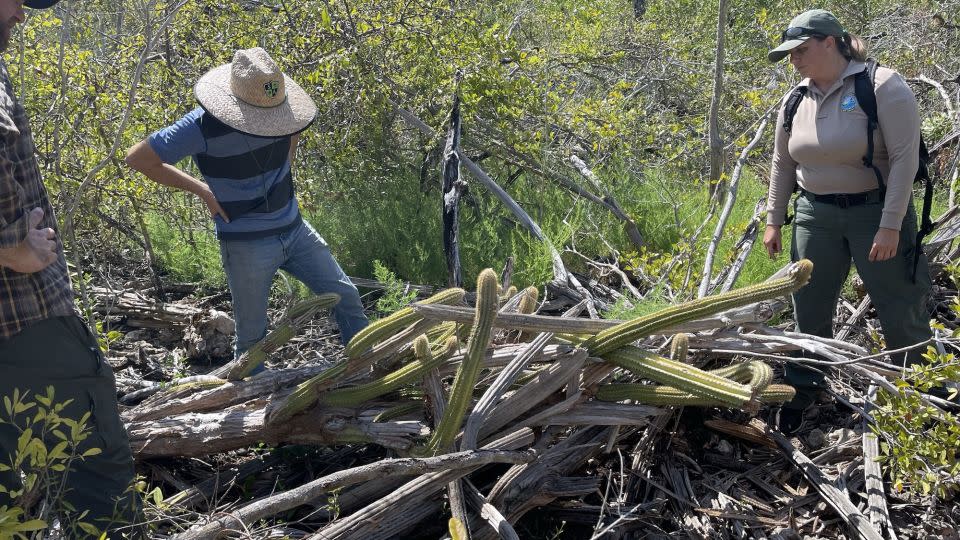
250 266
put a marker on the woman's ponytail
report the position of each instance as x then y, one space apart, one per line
852 47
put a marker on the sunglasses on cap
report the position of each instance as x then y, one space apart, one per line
798 31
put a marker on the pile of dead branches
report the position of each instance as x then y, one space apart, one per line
458 391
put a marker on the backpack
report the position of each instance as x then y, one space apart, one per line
863 86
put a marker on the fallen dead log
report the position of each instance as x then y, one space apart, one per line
385 468
140 311
200 434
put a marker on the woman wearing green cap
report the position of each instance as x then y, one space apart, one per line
844 208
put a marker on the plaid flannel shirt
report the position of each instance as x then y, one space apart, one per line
25 298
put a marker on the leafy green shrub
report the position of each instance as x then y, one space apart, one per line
395 293
918 443
43 468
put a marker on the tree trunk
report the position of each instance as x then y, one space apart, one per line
453 186
716 142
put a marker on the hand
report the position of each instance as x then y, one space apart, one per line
773 240
37 251
215 209
885 244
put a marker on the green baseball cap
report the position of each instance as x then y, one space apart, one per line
816 22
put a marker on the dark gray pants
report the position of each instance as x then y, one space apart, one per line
61 352
831 236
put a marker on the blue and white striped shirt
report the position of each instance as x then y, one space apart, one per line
249 175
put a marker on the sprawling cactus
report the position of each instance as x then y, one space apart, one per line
425 361
305 394
284 332
463 383
757 375
630 331
387 326
683 377
651 394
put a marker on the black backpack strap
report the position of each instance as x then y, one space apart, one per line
789 111
867 98
791 106
926 225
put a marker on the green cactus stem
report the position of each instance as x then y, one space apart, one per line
399 411
466 377
305 394
284 332
508 294
680 376
630 331
528 304
679 346
650 394
756 374
413 371
387 326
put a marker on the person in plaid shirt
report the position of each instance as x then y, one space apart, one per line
42 340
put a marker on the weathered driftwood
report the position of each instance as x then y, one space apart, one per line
199 434
388 467
733 188
489 512
527 486
742 248
857 523
394 514
876 497
530 384
140 311
484 407
196 398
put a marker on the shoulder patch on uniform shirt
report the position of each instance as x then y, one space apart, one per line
848 103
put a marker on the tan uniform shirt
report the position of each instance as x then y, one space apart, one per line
824 153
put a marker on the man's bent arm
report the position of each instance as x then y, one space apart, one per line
143 158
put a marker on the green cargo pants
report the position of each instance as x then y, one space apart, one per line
62 352
830 235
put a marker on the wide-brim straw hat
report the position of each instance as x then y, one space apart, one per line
252 95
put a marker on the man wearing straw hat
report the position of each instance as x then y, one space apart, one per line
44 344
243 138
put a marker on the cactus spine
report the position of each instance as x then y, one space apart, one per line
679 375
463 384
630 331
507 294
